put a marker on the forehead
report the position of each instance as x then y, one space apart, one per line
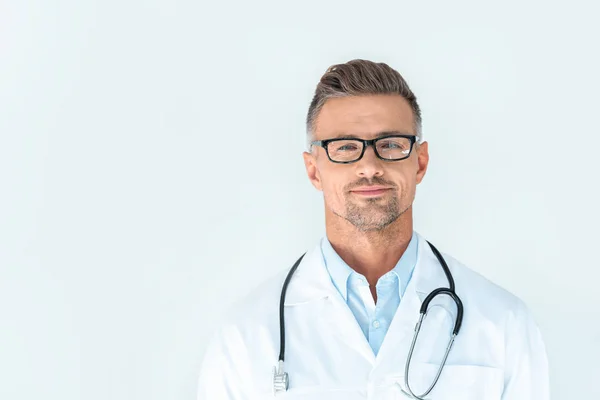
364 116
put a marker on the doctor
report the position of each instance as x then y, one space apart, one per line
352 304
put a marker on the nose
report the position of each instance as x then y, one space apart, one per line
369 165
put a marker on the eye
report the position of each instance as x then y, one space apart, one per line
391 144
345 147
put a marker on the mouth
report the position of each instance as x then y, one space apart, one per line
371 192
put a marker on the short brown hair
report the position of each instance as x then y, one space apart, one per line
356 78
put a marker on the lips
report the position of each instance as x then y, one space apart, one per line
371 191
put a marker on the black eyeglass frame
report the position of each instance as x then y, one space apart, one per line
367 142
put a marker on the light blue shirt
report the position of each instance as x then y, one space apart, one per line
374 319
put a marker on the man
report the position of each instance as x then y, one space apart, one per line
352 305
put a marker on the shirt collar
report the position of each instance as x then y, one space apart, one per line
340 272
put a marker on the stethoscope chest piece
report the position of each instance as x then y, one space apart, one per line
281 380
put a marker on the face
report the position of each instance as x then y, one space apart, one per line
366 117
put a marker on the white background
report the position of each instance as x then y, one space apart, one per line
151 171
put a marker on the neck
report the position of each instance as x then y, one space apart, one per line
372 253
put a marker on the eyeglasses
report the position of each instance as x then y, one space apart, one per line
349 150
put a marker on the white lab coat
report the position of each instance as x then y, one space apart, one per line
499 353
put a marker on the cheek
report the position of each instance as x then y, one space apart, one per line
333 191
406 185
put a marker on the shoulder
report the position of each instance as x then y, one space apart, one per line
254 311
263 298
481 293
260 306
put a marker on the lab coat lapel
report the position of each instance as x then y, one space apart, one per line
312 282
344 325
429 274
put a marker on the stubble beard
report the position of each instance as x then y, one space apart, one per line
372 215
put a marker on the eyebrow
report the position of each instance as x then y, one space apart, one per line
378 135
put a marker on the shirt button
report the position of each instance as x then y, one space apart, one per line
376 324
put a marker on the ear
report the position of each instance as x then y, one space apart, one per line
422 160
310 162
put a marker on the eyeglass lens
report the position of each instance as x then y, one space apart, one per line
345 150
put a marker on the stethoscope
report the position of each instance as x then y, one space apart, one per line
281 378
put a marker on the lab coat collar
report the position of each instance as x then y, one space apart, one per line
428 274
311 280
